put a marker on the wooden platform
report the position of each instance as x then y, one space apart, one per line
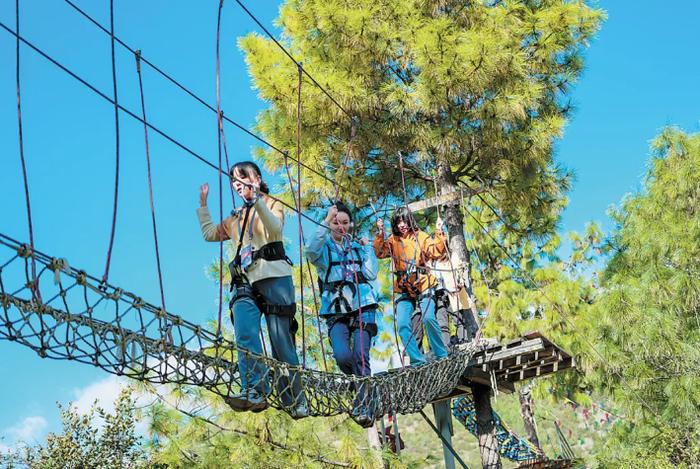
550 464
530 356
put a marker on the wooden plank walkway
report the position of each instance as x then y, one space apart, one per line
503 365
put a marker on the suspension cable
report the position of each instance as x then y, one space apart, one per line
35 287
196 97
136 117
301 230
150 184
219 125
116 126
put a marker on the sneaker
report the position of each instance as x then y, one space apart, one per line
248 399
299 412
258 402
362 416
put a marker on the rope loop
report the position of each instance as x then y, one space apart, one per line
81 278
116 295
58 264
25 251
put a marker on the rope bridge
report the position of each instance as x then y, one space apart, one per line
66 314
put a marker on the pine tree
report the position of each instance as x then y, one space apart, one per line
646 319
470 96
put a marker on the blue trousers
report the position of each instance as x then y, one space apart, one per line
246 325
405 308
351 344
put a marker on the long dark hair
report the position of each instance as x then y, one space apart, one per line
402 213
249 169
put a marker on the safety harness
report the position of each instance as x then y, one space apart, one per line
340 305
241 287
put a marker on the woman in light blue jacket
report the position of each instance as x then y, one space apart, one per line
345 270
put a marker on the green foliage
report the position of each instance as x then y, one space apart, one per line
95 439
646 320
194 428
476 86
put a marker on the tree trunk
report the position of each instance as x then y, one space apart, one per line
486 430
459 255
528 416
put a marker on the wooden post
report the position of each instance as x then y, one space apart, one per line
486 430
528 416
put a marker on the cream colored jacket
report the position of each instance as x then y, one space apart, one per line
267 227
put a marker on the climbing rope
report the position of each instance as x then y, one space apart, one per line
219 127
301 229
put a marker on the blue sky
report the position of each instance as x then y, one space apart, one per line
642 73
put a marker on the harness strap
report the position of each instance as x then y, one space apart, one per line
331 286
332 263
279 310
353 322
340 302
273 251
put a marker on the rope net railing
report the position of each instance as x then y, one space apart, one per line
81 318
510 445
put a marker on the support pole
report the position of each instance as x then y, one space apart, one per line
397 440
382 429
443 421
445 444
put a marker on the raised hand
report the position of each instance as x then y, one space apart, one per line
203 194
332 212
439 224
380 226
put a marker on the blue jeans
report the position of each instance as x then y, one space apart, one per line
246 325
442 313
351 345
405 307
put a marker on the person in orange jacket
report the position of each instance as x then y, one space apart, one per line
411 249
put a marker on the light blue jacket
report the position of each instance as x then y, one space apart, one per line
336 263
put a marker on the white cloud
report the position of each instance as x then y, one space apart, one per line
104 391
27 430
34 428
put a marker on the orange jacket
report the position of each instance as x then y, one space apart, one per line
403 251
